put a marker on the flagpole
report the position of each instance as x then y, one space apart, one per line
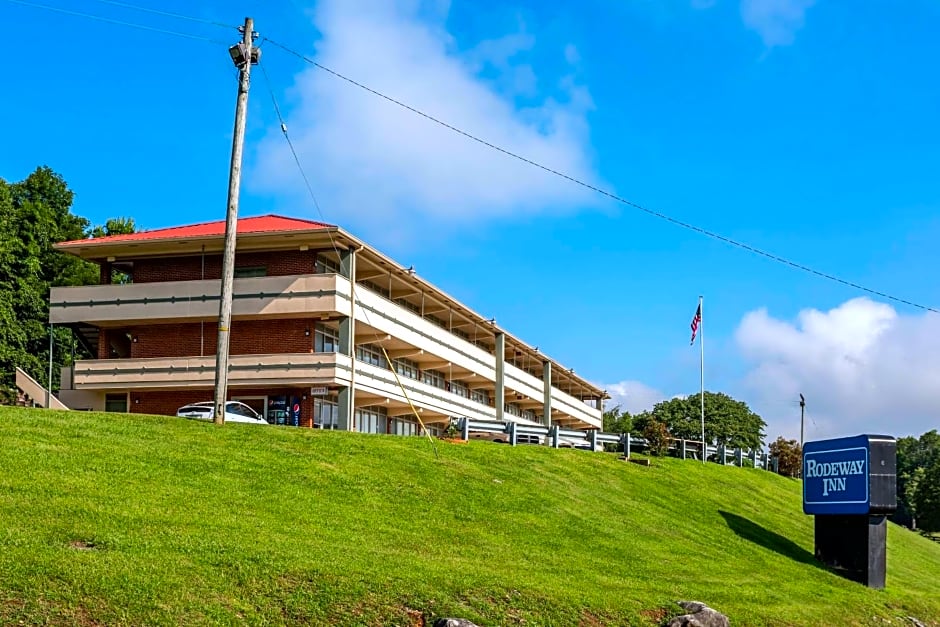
701 341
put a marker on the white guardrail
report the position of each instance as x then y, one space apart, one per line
594 440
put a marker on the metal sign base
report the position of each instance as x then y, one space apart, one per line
854 545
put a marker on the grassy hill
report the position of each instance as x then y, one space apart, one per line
122 519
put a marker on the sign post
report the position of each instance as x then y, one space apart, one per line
850 486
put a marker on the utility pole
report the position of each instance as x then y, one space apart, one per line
243 55
802 417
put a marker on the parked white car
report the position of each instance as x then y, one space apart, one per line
234 412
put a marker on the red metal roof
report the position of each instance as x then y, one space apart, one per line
270 223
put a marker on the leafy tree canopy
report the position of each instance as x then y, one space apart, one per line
789 456
35 213
926 499
115 226
918 478
617 421
727 421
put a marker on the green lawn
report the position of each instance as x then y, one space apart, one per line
123 519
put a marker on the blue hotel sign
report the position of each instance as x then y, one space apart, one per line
850 486
836 476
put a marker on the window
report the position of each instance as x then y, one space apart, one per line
115 402
461 334
407 368
459 389
325 339
250 271
480 396
435 378
375 288
371 355
529 414
325 414
513 410
325 266
372 420
410 306
398 426
436 320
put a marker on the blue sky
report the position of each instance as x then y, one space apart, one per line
803 128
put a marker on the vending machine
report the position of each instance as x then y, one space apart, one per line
295 410
278 410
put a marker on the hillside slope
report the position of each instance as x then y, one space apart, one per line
124 519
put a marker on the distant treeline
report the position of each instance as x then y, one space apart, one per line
919 482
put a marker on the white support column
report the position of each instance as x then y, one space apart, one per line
547 400
500 351
347 342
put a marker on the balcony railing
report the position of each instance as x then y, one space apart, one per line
382 382
280 369
576 408
389 317
180 300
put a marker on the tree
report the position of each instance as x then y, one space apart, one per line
657 438
727 421
911 496
915 457
115 226
789 456
617 421
35 214
927 497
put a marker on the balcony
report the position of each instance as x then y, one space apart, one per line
281 369
524 383
388 317
576 408
276 296
382 383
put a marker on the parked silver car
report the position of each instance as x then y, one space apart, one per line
234 412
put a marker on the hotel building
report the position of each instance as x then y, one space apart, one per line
313 309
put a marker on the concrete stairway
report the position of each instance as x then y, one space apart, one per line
32 394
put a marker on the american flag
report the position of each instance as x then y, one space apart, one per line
697 320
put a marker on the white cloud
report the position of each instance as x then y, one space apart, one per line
776 21
862 367
632 396
378 167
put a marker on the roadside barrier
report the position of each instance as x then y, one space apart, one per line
514 433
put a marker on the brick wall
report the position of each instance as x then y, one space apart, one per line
104 349
248 337
104 276
283 263
165 403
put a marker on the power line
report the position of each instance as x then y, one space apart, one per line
166 13
365 310
657 214
117 22
283 124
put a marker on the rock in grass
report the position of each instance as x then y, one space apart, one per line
699 615
453 622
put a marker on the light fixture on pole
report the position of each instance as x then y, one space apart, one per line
239 53
802 417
